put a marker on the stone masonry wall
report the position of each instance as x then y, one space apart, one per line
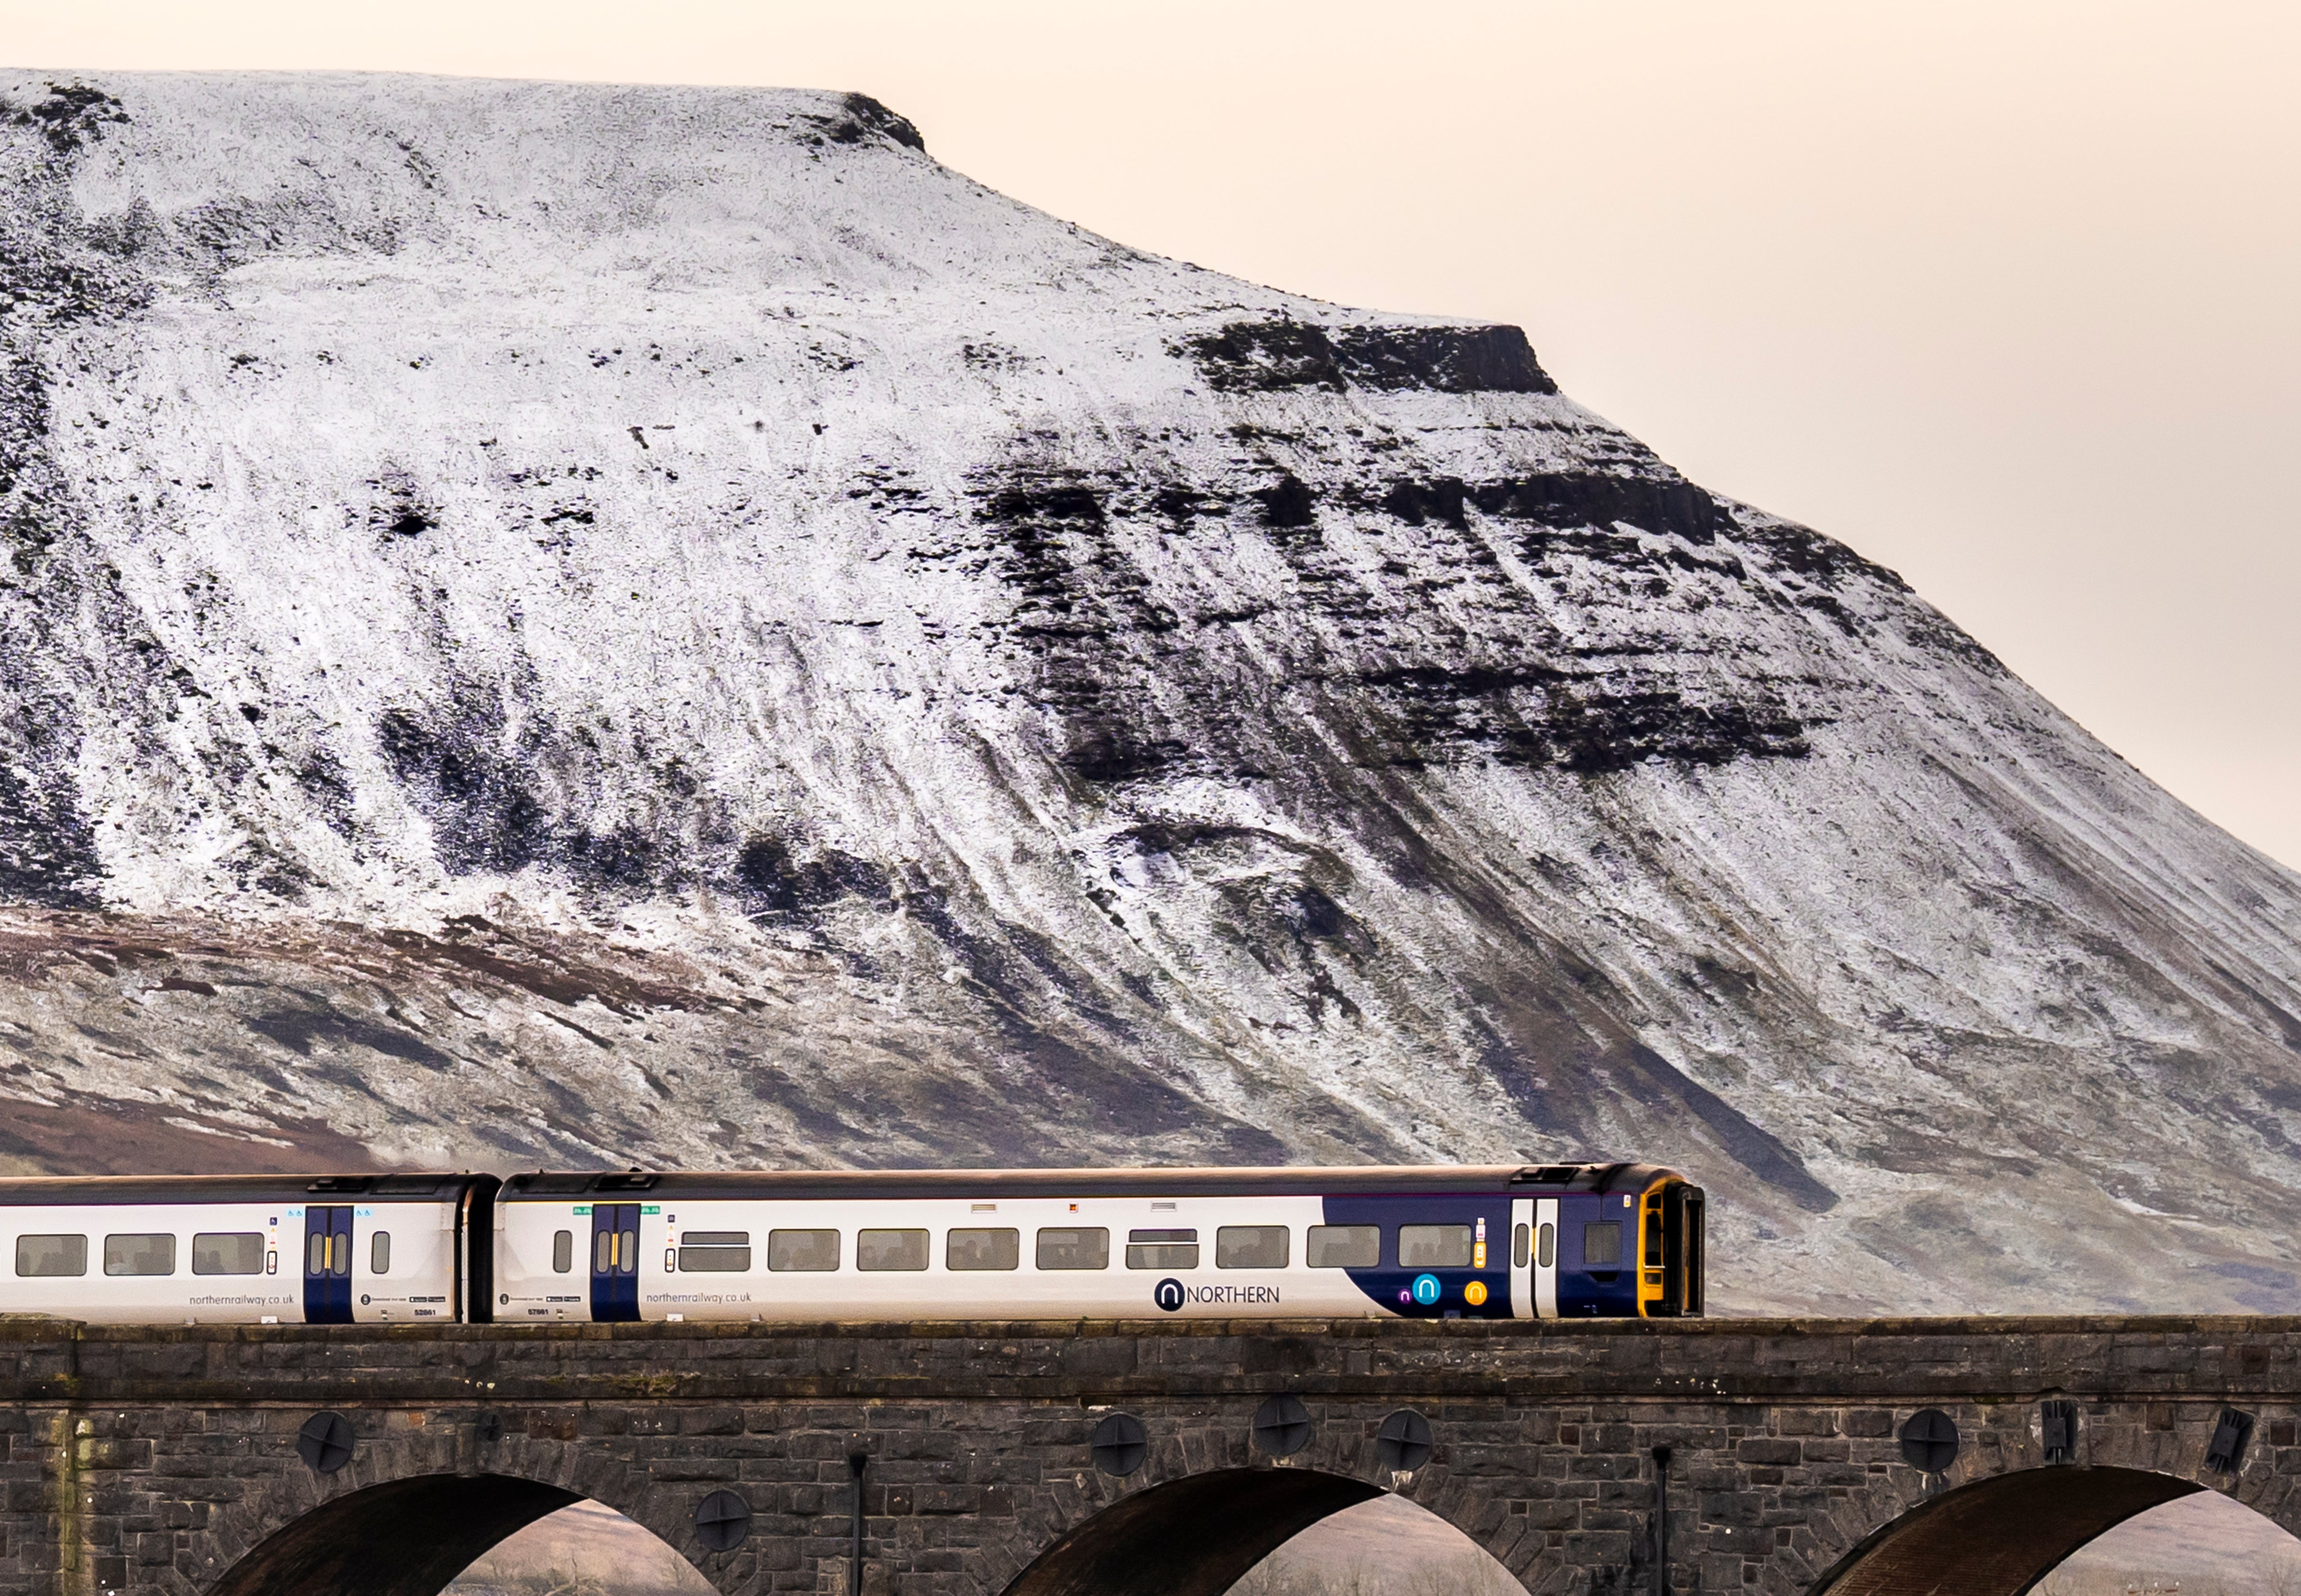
153 1461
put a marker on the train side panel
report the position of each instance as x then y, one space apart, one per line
1016 1258
414 1244
152 1263
159 1252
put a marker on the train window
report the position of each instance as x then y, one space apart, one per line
1434 1246
1075 1249
803 1251
141 1253
47 1255
729 1251
890 1249
562 1251
1162 1250
1601 1245
983 1249
378 1253
227 1252
615 1251
1251 1247
1344 1247
1546 1251
1518 1247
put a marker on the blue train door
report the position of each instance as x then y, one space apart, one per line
327 1265
614 1261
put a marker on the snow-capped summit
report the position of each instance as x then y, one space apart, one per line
553 624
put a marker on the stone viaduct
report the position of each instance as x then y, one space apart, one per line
1788 1457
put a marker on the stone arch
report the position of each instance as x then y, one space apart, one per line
2004 1517
359 1544
1233 1505
1193 1536
467 1480
1998 1536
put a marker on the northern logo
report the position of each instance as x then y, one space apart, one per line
1168 1294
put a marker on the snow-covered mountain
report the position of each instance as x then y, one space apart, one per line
555 624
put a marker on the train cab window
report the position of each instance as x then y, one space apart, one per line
562 1251
227 1252
1075 1249
141 1253
1601 1245
803 1251
983 1249
45 1257
729 1251
882 1250
1251 1247
378 1253
1434 1246
1344 1247
1162 1250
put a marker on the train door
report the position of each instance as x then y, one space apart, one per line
1521 1257
327 1265
614 1261
1546 1257
1682 1259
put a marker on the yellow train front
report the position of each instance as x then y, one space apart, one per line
1616 1242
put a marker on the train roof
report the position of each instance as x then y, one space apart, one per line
121 1190
1293 1181
436 1185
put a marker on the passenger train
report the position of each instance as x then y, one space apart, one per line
1556 1242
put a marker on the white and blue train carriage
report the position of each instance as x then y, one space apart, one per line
246 1249
1558 1241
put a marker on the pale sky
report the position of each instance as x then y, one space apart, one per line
2007 296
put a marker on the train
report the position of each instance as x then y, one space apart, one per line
1545 1242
